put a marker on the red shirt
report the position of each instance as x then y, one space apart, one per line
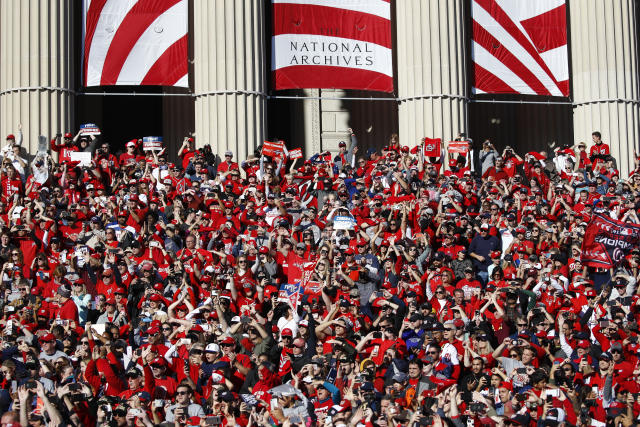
68 311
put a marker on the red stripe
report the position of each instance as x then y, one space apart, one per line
564 87
489 82
548 31
493 46
132 27
170 67
329 21
509 26
323 77
91 22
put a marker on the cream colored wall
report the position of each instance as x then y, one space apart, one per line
605 75
432 79
230 74
37 70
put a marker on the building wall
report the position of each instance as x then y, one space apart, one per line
39 54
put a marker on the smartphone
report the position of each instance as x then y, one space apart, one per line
604 323
113 251
135 412
554 392
158 403
213 421
185 341
75 387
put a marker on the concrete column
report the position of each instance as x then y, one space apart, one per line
311 111
335 119
605 75
230 74
431 69
36 68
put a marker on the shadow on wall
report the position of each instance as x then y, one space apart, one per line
525 127
373 121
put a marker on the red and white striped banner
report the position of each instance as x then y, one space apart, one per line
343 44
135 42
520 46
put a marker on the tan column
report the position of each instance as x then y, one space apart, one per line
230 74
36 68
605 75
311 112
432 71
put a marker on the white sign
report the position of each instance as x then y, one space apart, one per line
152 143
84 159
343 223
89 129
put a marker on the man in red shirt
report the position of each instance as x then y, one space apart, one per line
11 183
599 151
68 309
227 165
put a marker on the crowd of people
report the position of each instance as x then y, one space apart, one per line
357 288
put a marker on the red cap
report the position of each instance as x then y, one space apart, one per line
43 312
47 338
68 135
11 136
286 332
228 340
349 251
153 330
507 385
584 344
111 301
264 250
159 361
155 297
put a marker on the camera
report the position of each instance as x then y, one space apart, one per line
477 407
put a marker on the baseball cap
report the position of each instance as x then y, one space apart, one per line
584 344
159 361
228 341
286 332
49 337
133 373
212 348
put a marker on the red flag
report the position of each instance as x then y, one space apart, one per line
273 149
607 241
458 147
431 147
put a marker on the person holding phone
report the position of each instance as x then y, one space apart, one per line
183 408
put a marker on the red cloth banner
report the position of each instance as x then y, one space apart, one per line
296 153
458 147
273 149
431 147
332 44
135 43
520 47
607 241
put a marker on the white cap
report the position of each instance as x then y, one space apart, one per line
213 348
